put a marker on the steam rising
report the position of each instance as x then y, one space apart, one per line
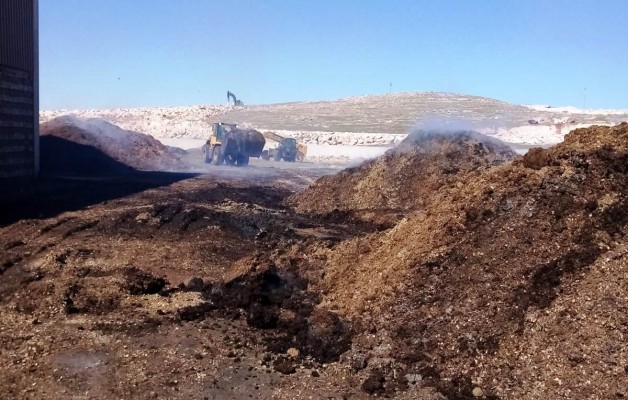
453 128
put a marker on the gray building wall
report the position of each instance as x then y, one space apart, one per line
19 88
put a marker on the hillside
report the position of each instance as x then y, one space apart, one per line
392 113
375 119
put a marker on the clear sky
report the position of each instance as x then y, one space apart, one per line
134 53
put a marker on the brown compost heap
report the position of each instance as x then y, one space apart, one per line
405 177
71 145
510 279
499 277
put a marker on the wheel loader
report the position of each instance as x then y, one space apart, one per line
287 150
231 145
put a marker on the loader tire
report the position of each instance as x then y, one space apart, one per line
243 160
217 157
207 155
230 159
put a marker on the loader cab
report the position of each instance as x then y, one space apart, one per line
219 130
288 148
289 143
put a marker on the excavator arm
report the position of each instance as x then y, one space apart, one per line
232 97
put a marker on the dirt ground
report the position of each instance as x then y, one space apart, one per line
503 280
105 289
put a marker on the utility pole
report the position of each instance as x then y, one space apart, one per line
390 88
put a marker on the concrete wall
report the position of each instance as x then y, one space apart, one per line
19 89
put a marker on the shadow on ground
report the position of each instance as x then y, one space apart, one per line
51 195
74 176
48 195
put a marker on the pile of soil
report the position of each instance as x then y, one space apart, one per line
157 295
510 285
509 281
405 177
70 145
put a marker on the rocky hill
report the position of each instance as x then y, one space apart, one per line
376 119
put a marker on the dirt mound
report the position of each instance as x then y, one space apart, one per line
93 146
139 282
510 282
278 301
505 283
405 177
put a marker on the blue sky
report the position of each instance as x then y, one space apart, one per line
134 53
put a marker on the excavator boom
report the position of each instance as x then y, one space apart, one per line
232 97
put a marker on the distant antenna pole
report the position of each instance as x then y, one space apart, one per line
584 101
390 88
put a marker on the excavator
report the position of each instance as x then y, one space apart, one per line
232 98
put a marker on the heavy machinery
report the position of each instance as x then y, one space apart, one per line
232 145
287 149
232 97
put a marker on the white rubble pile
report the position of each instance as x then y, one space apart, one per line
533 135
376 120
337 138
576 110
159 122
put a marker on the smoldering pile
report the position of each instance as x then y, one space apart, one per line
70 145
405 177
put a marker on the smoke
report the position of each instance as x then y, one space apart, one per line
438 123
443 125
455 128
135 150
